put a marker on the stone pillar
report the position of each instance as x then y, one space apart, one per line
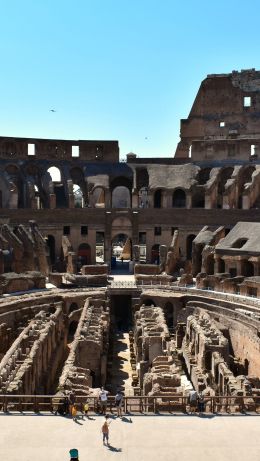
189 200
71 201
135 199
245 202
107 198
52 201
72 263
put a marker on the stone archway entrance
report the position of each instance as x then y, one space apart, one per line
121 254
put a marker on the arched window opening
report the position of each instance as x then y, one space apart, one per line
198 199
121 197
143 198
224 175
84 255
158 199
248 269
189 241
203 176
55 174
78 196
245 178
51 245
179 199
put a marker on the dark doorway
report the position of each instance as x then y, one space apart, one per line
51 245
158 199
121 307
155 254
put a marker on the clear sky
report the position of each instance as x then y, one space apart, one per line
117 69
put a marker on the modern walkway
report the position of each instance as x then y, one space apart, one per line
146 438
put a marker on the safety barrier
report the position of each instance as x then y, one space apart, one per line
134 404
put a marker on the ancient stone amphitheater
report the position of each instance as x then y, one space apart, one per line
140 275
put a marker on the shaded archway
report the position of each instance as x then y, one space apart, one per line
189 241
155 254
198 199
72 330
149 302
58 187
179 199
121 189
169 317
157 199
203 176
51 245
224 175
84 254
248 269
121 253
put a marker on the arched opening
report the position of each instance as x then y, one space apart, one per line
210 265
248 269
17 188
72 330
169 317
157 199
155 254
149 302
203 176
143 198
51 245
189 241
84 255
121 197
58 187
73 307
121 254
79 187
78 196
142 184
222 266
245 177
224 175
121 188
198 199
179 199
98 197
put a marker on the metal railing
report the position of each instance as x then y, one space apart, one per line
134 404
122 284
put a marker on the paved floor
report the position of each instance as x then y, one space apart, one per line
146 438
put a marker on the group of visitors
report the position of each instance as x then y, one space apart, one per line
196 402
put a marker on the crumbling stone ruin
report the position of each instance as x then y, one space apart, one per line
189 227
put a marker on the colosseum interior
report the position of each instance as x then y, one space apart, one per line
142 275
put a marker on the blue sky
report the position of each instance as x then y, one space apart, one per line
117 69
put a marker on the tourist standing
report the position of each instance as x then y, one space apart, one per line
71 400
193 400
118 402
103 400
201 403
105 431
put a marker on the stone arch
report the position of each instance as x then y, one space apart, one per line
121 190
224 175
248 269
79 187
58 186
157 198
17 189
84 254
189 241
142 178
121 225
244 178
203 176
52 250
179 198
198 198
148 302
